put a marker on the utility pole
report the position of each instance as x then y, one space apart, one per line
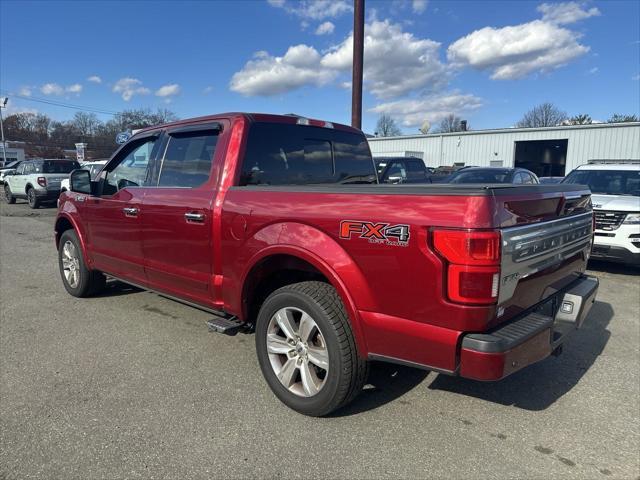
3 104
358 52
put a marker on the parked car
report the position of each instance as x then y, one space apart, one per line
94 169
547 180
9 167
37 180
402 170
490 175
263 221
615 192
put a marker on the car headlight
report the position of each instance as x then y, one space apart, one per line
632 219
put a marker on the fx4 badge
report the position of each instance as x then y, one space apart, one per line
383 233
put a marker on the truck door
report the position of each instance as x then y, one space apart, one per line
114 217
177 221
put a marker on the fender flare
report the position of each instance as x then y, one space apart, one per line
329 258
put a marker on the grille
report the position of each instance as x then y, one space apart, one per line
608 220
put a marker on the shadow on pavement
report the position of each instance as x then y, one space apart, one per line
115 288
387 383
601 266
540 385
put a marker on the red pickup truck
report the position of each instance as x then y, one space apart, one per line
277 224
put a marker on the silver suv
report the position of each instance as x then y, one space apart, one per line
37 180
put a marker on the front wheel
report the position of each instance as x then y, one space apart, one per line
306 349
8 196
77 279
32 198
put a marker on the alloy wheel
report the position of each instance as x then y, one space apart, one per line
297 351
71 264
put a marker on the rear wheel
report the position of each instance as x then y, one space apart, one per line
77 279
32 198
306 349
8 196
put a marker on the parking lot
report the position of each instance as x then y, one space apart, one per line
131 384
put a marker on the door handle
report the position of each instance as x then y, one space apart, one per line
130 211
194 217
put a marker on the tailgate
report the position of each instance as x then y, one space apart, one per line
540 258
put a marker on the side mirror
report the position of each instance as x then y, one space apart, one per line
80 181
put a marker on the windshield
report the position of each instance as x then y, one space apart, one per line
59 166
479 176
607 182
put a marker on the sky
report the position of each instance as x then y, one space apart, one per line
485 61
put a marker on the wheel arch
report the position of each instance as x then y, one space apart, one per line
66 222
290 261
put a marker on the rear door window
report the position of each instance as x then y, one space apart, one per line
188 158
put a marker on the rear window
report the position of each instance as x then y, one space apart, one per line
607 182
280 154
59 166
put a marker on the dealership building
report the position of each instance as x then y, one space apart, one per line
549 151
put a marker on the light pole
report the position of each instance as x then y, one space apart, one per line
3 104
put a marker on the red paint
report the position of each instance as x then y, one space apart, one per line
397 293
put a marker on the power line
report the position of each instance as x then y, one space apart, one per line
62 104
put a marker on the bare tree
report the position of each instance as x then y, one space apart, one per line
450 123
580 119
387 127
618 118
543 115
86 124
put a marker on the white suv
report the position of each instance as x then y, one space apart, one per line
615 193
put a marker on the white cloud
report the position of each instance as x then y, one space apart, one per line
414 111
94 79
419 6
516 51
636 77
168 90
25 91
128 87
314 9
593 70
269 75
325 28
566 13
52 89
395 62
75 88
207 90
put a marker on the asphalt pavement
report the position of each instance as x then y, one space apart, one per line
131 385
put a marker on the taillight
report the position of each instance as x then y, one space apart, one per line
42 181
473 270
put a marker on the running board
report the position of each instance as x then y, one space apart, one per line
228 326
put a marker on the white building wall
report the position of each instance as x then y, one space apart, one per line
585 142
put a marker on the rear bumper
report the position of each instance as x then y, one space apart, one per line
46 195
615 254
528 339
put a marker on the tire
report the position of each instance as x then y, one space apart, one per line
329 339
32 198
77 279
8 196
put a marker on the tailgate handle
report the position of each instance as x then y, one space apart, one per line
130 211
194 217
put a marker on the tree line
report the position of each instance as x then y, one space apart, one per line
47 138
543 115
